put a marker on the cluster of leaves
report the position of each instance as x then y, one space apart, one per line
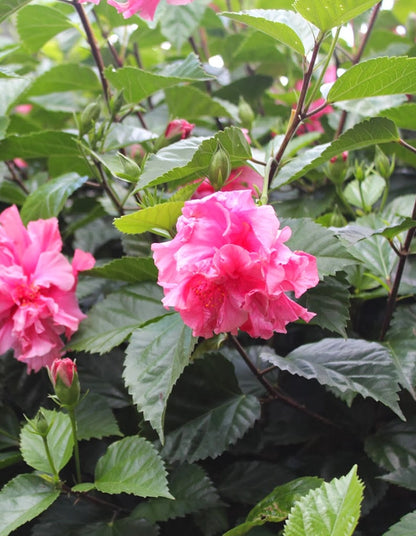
179 435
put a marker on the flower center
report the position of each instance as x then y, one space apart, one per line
209 294
26 294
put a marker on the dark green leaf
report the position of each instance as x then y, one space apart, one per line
404 477
347 367
94 418
49 199
218 416
112 320
375 77
22 499
193 491
129 269
132 465
156 357
405 527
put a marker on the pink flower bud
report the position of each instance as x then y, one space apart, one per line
64 368
178 128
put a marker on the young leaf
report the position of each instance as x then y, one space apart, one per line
376 130
285 26
375 77
405 527
331 510
156 356
348 367
59 439
327 14
192 489
49 199
364 194
158 219
22 499
218 416
138 84
112 320
132 465
276 506
37 24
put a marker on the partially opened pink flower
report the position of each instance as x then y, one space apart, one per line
228 268
37 289
179 128
240 178
144 8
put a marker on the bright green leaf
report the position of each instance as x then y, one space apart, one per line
59 438
8 7
156 357
49 199
285 26
348 367
22 499
376 130
159 219
375 77
331 510
37 24
138 84
191 103
132 465
364 194
327 14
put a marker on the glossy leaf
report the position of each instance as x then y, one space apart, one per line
132 465
375 77
327 14
59 439
331 510
156 357
285 26
348 367
22 499
112 320
158 219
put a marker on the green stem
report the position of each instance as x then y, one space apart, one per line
71 413
50 460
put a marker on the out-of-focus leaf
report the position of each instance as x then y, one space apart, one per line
8 7
156 357
405 527
65 77
129 269
22 499
348 367
327 14
404 477
178 24
132 465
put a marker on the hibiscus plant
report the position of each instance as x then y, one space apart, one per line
207 267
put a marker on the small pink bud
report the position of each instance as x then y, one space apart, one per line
344 157
178 127
64 368
23 109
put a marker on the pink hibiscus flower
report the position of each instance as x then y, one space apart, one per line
144 8
228 268
240 178
37 289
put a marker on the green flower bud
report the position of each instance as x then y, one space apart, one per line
40 424
131 171
88 117
359 172
219 168
383 165
245 113
116 102
337 168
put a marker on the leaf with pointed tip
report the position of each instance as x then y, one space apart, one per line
193 491
285 26
376 130
218 416
159 219
375 77
112 320
138 84
94 418
348 367
404 477
330 510
405 527
22 499
327 14
59 439
156 357
132 465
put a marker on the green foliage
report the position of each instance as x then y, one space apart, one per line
405 527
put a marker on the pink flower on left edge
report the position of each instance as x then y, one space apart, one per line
37 289
228 268
144 8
